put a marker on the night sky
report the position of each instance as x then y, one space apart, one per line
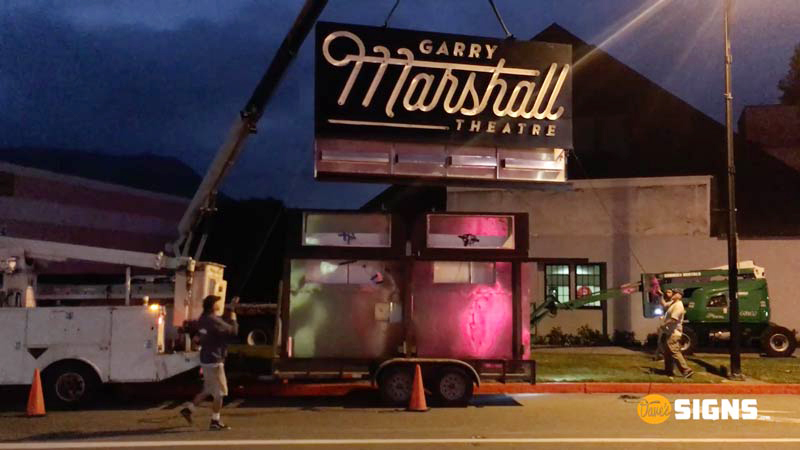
169 77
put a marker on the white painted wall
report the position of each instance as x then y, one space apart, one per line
664 223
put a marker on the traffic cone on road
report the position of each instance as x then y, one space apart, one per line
35 398
417 401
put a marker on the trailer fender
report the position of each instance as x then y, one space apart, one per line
427 362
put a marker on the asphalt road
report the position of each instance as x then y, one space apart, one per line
547 421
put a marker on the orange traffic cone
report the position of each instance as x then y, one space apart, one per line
35 398
417 401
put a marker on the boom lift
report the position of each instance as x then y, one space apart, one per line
705 298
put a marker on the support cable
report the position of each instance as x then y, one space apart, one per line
389 16
605 207
500 19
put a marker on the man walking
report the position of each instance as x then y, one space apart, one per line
673 329
214 331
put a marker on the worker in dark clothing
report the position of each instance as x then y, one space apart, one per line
664 300
215 328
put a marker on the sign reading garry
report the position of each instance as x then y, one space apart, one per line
409 86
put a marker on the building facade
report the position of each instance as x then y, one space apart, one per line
38 204
605 233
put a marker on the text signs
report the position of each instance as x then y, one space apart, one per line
409 86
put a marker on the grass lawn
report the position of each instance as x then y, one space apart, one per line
581 367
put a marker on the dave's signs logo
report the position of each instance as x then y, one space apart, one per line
655 409
396 85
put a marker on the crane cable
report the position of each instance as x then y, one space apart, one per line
389 16
500 19
509 35
605 207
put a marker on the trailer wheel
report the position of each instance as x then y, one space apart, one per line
70 385
453 387
395 385
688 341
257 336
778 342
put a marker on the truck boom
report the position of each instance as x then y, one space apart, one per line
243 125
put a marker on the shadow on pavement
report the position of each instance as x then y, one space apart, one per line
357 400
480 401
78 435
720 371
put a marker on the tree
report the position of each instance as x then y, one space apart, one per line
790 84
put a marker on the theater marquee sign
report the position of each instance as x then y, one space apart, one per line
395 103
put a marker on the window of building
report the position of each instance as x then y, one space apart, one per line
718 301
587 281
467 272
557 281
570 281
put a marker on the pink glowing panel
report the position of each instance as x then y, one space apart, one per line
528 296
462 320
469 231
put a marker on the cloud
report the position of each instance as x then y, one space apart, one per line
170 77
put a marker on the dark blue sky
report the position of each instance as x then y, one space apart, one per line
168 77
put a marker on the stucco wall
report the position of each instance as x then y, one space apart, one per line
634 225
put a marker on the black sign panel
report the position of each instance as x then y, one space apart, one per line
397 85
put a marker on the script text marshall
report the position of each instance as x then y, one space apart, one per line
524 94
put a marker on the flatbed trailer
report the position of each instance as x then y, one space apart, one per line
368 296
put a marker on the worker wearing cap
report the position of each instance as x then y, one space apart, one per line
672 327
216 327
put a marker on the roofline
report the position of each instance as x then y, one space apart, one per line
593 48
691 180
772 105
86 182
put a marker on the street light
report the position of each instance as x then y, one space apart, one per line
733 269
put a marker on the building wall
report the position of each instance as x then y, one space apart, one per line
633 225
36 204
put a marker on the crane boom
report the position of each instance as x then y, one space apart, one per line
243 125
13 249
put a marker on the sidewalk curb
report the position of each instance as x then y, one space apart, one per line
343 389
640 388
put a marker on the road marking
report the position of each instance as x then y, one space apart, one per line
354 442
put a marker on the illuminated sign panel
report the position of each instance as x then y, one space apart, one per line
417 104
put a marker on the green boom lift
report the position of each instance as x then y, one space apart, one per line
705 297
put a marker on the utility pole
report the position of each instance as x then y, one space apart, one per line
733 257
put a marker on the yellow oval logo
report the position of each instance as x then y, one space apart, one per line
654 409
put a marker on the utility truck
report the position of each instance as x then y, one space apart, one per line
705 297
77 348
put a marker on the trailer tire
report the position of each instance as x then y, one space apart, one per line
70 385
395 385
688 341
453 387
257 336
778 342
